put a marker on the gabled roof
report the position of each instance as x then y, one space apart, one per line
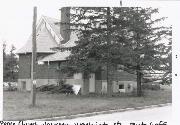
44 42
58 56
48 36
52 22
54 26
123 76
61 56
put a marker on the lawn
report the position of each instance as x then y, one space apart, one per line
17 104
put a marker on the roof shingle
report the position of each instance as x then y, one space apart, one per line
58 56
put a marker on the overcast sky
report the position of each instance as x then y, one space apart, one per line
16 17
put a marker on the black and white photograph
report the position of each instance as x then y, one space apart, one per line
70 63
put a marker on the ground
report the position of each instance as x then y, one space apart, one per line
149 114
17 104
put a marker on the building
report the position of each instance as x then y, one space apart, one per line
51 35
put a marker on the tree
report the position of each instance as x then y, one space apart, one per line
143 42
10 65
4 56
92 51
111 36
4 50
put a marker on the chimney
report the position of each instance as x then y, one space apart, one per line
64 25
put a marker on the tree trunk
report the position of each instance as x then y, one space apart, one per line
139 75
109 83
109 88
85 85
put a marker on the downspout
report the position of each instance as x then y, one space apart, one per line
48 72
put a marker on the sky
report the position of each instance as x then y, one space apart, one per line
16 17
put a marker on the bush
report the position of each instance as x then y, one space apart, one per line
10 86
46 88
151 86
63 88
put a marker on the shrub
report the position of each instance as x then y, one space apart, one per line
10 86
63 88
151 86
46 88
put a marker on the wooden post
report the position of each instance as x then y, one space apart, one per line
33 62
48 72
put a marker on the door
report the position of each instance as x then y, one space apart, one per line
92 82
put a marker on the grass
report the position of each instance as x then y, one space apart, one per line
17 104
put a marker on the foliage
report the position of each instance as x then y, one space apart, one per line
9 86
129 36
151 86
10 65
64 88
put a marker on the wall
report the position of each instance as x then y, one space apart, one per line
50 71
129 86
42 71
77 80
50 75
98 86
44 75
85 90
24 66
39 82
118 75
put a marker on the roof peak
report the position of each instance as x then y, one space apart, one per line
49 36
48 17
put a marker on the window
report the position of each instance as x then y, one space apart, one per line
121 86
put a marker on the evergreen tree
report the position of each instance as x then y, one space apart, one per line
10 65
4 58
108 37
145 51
